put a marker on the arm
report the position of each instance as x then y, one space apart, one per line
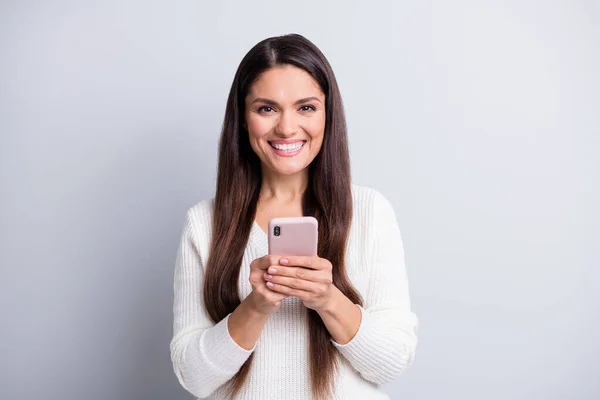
341 317
204 354
385 340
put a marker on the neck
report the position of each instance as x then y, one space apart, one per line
285 188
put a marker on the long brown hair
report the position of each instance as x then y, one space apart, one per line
327 197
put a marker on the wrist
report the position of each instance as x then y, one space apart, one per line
341 317
252 309
332 304
245 324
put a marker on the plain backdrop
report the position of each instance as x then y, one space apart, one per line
479 120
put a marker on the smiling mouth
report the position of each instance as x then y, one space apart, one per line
288 147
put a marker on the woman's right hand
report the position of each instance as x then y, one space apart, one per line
263 299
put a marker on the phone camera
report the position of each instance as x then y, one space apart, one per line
277 231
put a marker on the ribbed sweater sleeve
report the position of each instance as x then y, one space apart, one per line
385 343
204 355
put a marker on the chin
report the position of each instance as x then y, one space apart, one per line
288 169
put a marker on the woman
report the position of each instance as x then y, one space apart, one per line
248 325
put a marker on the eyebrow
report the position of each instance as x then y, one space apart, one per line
274 103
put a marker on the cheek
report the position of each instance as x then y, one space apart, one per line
316 145
257 127
316 132
254 133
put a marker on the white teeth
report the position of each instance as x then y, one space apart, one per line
288 147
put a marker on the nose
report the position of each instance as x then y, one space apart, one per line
287 125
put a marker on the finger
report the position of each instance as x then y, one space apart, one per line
276 297
300 273
268 260
301 294
292 283
272 296
311 262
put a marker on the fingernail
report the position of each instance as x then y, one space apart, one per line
269 284
267 276
284 261
272 270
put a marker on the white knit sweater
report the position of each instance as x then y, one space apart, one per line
205 356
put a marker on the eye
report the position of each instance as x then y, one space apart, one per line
266 109
308 107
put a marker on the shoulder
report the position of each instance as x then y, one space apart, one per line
367 200
199 219
373 213
201 210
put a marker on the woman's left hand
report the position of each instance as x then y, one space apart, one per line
307 277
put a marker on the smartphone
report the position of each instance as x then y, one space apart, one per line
293 236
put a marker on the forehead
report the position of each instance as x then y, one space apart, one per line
285 83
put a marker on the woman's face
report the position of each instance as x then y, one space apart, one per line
285 119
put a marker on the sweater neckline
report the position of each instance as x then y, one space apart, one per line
258 237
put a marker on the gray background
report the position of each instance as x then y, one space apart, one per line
478 119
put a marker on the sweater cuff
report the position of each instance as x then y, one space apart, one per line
357 344
221 350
